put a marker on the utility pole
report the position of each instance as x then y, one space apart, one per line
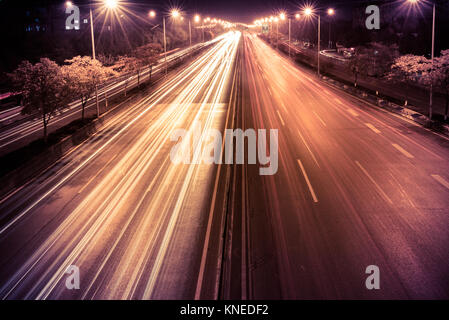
431 70
277 34
190 32
289 36
94 57
319 39
165 46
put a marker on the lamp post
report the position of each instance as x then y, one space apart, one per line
330 13
174 13
308 11
415 2
110 4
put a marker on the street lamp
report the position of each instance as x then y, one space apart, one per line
109 4
330 13
175 14
415 2
308 11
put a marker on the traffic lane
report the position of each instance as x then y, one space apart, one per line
142 103
23 133
91 205
305 258
324 138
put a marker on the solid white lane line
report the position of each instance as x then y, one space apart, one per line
315 199
372 127
441 180
374 182
351 111
280 117
308 148
319 118
400 149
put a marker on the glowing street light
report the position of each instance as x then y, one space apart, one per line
111 4
282 16
175 13
297 16
197 18
308 11
330 11
152 14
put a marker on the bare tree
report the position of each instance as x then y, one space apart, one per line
43 87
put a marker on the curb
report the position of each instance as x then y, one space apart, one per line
407 113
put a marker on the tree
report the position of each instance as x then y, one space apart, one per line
410 69
382 57
359 63
441 76
84 74
148 56
43 87
124 66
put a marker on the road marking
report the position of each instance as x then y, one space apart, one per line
280 117
372 127
374 182
283 107
315 199
338 101
308 148
351 111
405 153
441 180
319 118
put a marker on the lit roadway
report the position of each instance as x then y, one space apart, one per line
356 186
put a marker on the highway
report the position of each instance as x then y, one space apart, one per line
17 130
355 186
117 207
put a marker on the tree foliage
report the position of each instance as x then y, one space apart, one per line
84 75
43 88
441 76
410 69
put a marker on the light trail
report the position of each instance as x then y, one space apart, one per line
104 206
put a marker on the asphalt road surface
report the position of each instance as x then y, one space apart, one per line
355 186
